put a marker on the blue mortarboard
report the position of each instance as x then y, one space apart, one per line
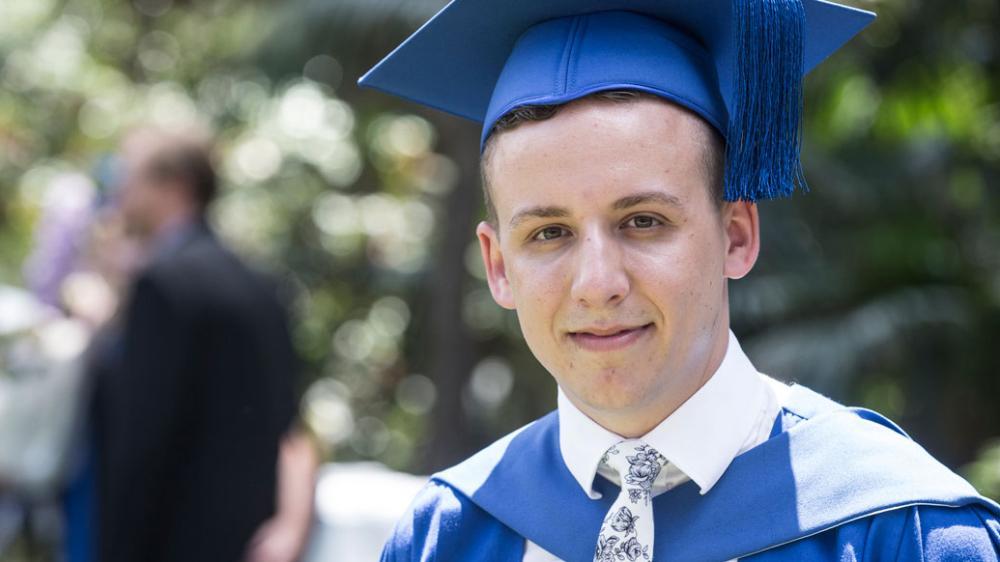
736 63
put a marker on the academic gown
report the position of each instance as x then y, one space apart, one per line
832 483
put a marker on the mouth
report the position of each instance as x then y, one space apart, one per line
609 338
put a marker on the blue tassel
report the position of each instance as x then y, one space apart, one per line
764 137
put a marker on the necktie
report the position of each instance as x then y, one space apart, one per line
627 531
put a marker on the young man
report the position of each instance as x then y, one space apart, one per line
625 144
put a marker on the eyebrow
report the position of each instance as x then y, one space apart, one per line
647 197
624 203
539 212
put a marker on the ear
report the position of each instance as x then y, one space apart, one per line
742 226
496 273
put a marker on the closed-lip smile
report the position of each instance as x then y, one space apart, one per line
609 338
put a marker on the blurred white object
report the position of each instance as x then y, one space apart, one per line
357 505
38 419
42 392
20 310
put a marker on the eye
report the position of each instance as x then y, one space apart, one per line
642 222
549 233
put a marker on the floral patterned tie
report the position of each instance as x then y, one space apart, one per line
627 531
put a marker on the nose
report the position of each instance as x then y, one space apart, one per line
600 279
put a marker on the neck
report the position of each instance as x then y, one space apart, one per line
169 222
634 422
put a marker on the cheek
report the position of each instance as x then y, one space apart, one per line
533 287
680 274
128 203
539 288
534 278
134 199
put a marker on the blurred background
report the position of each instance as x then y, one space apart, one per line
881 287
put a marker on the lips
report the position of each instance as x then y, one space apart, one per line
609 338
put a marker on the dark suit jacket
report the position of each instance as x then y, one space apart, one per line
192 400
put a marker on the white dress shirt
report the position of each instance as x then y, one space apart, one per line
732 413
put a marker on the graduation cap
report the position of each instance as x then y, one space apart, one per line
738 64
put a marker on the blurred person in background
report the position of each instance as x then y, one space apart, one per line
195 386
78 263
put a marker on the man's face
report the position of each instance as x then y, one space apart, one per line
610 247
139 198
143 198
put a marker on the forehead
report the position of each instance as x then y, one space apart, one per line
595 151
138 149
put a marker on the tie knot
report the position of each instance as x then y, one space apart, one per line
637 464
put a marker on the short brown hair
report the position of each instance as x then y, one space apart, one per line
190 165
177 156
715 156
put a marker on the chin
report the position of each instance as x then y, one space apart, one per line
608 391
618 399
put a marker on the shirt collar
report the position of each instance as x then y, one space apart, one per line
172 236
701 437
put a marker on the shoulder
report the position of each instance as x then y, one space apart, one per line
928 533
198 256
442 521
531 445
896 499
433 505
922 533
206 272
445 518
969 533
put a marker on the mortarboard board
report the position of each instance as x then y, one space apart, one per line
736 63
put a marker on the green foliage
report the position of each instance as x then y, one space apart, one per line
881 287
984 472
883 284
